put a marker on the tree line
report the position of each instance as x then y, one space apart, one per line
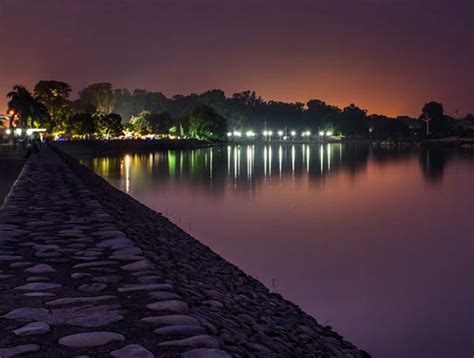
103 111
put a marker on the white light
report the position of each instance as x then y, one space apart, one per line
293 133
285 137
8 131
308 133
18 131
229 134
303 134
329 133
321 133
280 133
250 134
237 133
29 131
270 133
265 133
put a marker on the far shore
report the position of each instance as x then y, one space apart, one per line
117 147
102 147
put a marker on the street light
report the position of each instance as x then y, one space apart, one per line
237 134
229 134
293 133
250 134
321 134
280 133
329 133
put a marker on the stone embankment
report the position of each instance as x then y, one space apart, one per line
87 271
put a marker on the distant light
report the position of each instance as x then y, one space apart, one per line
8 131
280 133
250 134
265 133
293 133
11 112
18 131
308 133
285 137
29 131
321 133
229 134
270 133
237 134
329 133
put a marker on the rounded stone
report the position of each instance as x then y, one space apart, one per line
132 351
40 268
32 328
205 353
90 339
40 286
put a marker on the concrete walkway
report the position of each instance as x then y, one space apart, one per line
11 162
72 284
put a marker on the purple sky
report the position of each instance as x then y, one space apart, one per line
388 56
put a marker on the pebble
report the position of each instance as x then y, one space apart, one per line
92 287
27 313
90 339
205 353
171 306
196 341
139 266
172 320
40 268
33 328
182 330
38 286
132 351
145 287
76 300
78 275
18 350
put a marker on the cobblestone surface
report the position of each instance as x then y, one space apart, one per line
72 283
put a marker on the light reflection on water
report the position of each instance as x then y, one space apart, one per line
377 242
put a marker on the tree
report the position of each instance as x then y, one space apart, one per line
353 121
54 96
140 123
100 96
30 111
109 125
205 123
82 124
437 123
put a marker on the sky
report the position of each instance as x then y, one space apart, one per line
387 56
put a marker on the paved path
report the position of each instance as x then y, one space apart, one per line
72 284
11 162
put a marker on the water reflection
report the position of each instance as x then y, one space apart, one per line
375 241
244 167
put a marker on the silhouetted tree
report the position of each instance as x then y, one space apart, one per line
54 96
30 111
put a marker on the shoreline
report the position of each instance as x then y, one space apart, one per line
239 310
98 147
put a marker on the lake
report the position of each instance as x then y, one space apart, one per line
375 242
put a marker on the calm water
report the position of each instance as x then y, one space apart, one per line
376 243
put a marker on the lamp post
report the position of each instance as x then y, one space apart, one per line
427 121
